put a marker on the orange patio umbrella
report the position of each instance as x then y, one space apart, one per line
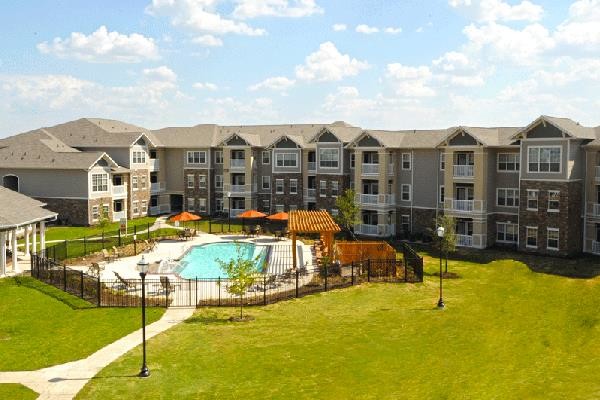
280 216
251 214
185 216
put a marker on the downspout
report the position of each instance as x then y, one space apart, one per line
412 186
585 199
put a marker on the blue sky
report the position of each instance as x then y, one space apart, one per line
377 64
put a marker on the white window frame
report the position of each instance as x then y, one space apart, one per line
293 186
95 213
279 208
335 188
101 183
135 207
193 153
279 182
537 199
219 205
266 204
442 194
192 201
516 162
553 230
442 161
507 192
352 160
504 229
402 192
409 161
144 207
143 182
333 160
202 205
218 181
539 151
138 157
262 157
219 157
335 212
265 179
286 158
105 210
202 181
527 228
557 209
322 188
134 182
190 181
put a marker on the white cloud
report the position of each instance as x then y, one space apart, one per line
102 46
499 10
328 64
205 86
339 27
275 8
208 41
393 30
366 29
346 103
582 28
162 74
200 16
410 81
452 61
232 111
274 83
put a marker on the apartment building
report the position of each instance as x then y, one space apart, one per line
535 188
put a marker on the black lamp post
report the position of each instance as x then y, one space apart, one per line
440 232
228 194
143 268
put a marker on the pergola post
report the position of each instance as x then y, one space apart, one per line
33 239
26 232
2 253
42 236
15 257
294 262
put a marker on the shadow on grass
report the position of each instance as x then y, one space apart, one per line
73 302
207 318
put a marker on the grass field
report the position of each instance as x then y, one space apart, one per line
76 232
507 333
15 391
47 326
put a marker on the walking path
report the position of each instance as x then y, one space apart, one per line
64 381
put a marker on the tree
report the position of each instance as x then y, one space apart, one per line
104 221
448 243
348 211
242 273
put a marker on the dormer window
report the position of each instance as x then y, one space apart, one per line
99 182
544 159
196 157
329 158
138 157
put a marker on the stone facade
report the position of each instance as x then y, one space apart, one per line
70 211
198 192
423 220
568 220
287 198
327 202
101 202
142 193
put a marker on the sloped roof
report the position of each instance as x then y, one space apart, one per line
16 209
406 139
185 137
490 137
566 125
314 221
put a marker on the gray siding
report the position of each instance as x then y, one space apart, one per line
283 170
526 144
463 139
425 166
51 183
174 173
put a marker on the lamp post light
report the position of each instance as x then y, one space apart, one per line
228 194
143 268
440 232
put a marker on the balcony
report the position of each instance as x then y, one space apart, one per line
464 171
238 163
370 169
312 166
375 199
238 188
595 247
157 187
118 215
381 230
236 211
594 209
310 193
161 209
154 164
467 206
119 191
476 241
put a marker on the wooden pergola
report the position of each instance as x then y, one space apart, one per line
302 221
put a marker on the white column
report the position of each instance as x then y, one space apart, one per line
15 259
2 253
33 239
26 231
42 236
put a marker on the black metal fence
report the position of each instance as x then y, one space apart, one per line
179 292
413 261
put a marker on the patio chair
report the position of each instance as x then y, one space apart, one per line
116 252
95 269
151 245
124 282
107 256
166 285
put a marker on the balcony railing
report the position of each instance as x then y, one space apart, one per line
310 193
375 199
595 247
477 241
595 209
234 212
375 230
370 169
463 171
157 187
238 163
119 191
238 188
154 164
476 206
312 166
117 215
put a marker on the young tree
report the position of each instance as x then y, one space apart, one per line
448 243
348 211
104 221
242 273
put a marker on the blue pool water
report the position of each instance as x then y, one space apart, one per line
201 261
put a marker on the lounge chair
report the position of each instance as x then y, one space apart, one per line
166 284
107 256
116 252
95 269
151 245
126 284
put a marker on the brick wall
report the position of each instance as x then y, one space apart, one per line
287 198
328 202
70 211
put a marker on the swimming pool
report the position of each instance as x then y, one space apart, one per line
201 261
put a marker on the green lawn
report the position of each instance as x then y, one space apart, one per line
203 225
43 326
15 391
507 333
75 232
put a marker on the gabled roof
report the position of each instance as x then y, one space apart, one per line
203 135
299 140
489 137
407 139
566 125
16 209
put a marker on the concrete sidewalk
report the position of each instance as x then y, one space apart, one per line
64 381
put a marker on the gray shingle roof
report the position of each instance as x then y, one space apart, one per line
17 209
566 125
409 139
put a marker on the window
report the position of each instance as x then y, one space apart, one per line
135 207
405 194
553 200
196 157
266 157
286 159
144 206
266 182
508 162
202 205
531 234
219 205
293 207
552 239
544 159
293 186
329 158
507 232
219 157
218 181
105 209
322 188
134 182
190 204
532 199
334 188
202 181
405 223
279 208
279 186
442 193
442 161
95 213
507 197
352 160
266 205
143 182
406 160
335 211
138 157
99 182
190 181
